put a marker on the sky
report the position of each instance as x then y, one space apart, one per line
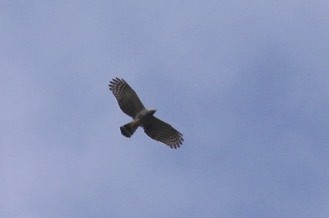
246 82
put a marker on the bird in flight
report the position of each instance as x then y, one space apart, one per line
131 105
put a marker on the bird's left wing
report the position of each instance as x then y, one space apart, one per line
127 98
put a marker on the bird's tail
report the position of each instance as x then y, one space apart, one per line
128 129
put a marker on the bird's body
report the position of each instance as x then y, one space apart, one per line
139 120
145 114
131 105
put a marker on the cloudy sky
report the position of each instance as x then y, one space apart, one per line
246 82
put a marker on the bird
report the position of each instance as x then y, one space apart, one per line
131 105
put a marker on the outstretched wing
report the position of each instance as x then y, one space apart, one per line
163 132
127 98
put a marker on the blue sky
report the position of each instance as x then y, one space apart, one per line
246 82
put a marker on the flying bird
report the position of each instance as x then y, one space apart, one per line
131 105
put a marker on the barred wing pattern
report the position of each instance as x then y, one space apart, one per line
163 132
127 98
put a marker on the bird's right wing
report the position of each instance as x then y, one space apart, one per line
163 132
127 98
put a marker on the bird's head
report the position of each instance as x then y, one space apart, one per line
152 111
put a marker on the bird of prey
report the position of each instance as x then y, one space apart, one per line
131 105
